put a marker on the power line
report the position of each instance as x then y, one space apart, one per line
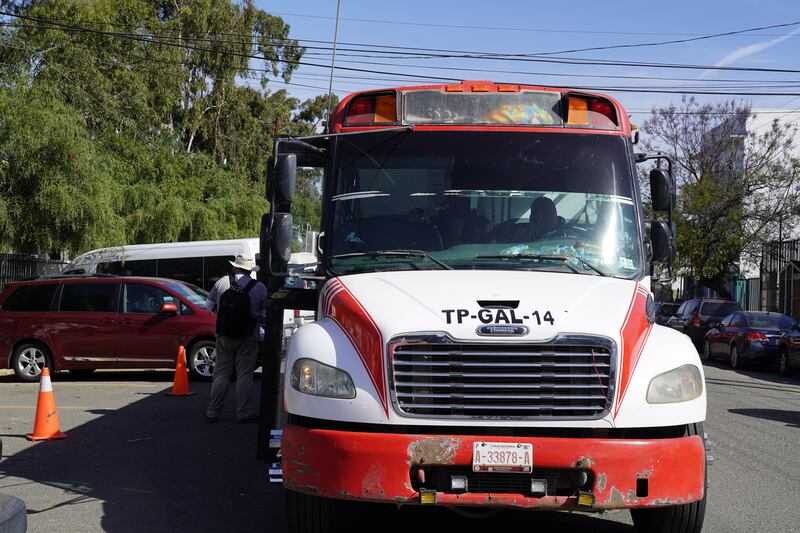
497 28
449 54
150 40
673 41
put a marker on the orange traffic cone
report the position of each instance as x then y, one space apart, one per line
45 426
180 386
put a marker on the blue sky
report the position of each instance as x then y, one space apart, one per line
527 27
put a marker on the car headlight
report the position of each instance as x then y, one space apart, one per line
678 385
312 377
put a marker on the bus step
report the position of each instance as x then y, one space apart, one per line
275 438
275 473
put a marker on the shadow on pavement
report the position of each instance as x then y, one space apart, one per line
790 418
388 519
774 381
156 465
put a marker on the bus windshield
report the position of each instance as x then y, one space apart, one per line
484 200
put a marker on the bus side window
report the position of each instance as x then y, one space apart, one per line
188 269
145 268
215 268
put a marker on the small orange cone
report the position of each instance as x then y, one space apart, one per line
45 426
180 386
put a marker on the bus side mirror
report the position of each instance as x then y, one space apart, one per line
660 190
285 178
281 238
663 241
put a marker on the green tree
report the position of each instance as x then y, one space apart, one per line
131 121
734 186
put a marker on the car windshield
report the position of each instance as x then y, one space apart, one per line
484 200
719 308
667 309
770 321
193 293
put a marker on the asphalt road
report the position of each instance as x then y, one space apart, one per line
137 461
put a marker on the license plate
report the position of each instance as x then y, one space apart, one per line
502 457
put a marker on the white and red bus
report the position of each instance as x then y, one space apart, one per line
485 332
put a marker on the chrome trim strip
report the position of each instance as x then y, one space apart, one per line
81 359
559 339
142 360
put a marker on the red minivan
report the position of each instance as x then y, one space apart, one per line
86 323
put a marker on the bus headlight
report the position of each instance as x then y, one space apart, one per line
678 385
312 377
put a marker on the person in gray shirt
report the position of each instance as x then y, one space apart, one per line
234 352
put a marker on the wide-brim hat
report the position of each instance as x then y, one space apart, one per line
245 263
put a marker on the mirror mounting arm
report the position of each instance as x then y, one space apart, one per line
659 156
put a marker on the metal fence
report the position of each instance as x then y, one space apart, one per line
17 267
776 257
748 294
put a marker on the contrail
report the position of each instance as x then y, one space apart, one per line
746 51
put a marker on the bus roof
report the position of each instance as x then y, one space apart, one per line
248 247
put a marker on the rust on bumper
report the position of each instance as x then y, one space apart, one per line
378 466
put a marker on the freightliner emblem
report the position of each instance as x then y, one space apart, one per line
501 331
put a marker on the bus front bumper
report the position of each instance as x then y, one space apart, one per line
386 467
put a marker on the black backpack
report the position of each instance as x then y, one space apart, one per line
233 313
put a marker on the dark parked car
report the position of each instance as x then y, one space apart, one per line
86 323
789 351
665 311
694 316
747 336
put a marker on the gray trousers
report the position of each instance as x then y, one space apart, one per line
240 354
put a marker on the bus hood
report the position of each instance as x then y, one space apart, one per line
474 305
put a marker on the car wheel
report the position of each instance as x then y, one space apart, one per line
686 518
736 361
202 359
707 356
29 359
783 363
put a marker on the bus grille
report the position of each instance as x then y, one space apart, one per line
502 380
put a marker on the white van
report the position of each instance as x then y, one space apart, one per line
200 263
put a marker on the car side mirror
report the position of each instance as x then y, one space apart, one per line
169 309
795 327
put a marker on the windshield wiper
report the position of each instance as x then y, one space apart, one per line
587 264
542 257
374 254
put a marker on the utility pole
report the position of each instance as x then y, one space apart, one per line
333 66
